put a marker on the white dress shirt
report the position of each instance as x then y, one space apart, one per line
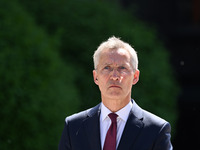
105 121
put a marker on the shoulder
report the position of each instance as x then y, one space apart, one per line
156 126
149 119
152 119
81 116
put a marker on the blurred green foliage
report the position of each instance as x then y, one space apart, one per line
37 87
46 49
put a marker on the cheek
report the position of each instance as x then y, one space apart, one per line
128 80
103 83
104 77
102 87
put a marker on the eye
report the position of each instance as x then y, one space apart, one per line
122 67
106 67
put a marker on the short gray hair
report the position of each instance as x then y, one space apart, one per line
116 43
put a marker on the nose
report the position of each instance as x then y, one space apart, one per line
114 75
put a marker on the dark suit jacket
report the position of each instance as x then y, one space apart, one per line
143 131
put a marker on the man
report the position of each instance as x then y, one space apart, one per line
117 123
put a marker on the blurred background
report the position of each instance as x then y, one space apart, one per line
46 49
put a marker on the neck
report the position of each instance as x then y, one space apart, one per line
115 105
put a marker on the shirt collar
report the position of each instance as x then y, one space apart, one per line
104 112
122 113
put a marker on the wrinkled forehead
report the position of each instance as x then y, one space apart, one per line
115 52
115 55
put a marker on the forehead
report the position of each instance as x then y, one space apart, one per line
115 56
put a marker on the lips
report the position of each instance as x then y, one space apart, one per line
114 86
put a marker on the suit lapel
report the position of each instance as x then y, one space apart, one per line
92 128
132 128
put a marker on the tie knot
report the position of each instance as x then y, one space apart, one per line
113 117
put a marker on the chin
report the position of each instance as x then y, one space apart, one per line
115 96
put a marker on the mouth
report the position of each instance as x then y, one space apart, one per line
114 86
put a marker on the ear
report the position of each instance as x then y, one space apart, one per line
136 77
95 76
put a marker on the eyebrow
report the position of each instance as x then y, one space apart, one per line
108 64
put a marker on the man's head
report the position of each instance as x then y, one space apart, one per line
116 43
115 70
